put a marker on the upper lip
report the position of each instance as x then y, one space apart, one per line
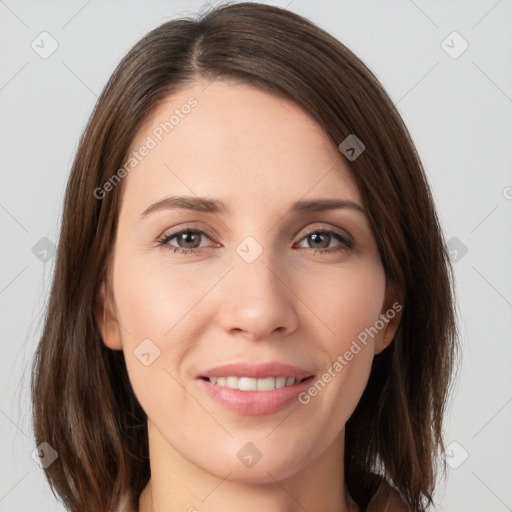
257 371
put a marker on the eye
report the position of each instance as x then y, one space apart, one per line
321 239
190 239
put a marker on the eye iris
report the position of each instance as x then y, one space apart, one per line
315 237
186 237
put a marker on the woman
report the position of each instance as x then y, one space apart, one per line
200 351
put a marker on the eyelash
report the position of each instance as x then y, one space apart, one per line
164 241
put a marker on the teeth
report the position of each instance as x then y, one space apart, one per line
231 382
250 384
280 382
267 384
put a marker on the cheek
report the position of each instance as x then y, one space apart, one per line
153 299
348 302
155 306
350 307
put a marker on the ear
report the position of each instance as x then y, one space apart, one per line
390 316
106 319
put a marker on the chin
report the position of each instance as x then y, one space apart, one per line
249 464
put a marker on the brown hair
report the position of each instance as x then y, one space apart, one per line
83 403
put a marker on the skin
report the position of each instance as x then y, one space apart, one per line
257 153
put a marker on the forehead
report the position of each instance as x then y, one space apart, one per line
238 144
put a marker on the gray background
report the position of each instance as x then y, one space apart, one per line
459 111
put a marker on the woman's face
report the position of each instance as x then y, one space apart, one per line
265 280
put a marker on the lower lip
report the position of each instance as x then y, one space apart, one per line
255 403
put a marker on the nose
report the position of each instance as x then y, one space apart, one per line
256 300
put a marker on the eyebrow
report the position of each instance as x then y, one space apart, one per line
204 204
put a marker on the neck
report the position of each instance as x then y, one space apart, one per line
177 485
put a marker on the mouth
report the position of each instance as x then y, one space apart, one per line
255 389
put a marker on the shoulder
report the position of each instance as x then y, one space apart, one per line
386 499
